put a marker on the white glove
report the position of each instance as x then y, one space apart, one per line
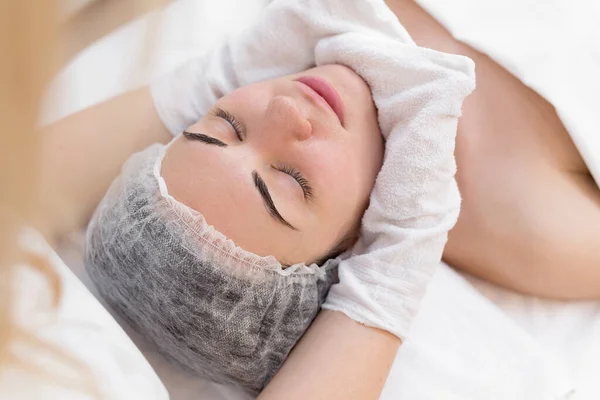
418 93
415 202
281 43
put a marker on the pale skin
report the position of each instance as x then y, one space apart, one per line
276 130
530 217
85 151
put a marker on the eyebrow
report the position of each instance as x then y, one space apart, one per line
203 138
259 182
262 188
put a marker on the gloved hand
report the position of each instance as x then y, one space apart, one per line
418 93
281 43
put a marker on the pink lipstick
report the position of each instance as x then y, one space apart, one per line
325 92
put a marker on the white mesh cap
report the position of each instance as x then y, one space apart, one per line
213 308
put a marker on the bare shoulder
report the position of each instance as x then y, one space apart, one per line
531 212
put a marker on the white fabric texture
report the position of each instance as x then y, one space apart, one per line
418 93
415 201
281 43
453 351
472 339
462 346
81 329
551 46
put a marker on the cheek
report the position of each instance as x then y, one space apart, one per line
340 162
337 167
330 169
347 172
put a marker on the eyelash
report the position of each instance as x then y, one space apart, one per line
239 131
294 173
235 124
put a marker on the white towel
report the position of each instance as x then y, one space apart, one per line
552 46
418 93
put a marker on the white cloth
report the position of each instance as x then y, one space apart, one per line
567 332
81 329
472 339
115 64
552 46
282 42
418 93
462 346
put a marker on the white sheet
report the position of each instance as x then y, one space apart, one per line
464 346
78 328
552 46
471 340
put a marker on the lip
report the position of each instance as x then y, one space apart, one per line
326 93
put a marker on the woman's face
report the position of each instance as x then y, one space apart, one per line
283 167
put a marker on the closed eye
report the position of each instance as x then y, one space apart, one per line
237 126
263 190
307 189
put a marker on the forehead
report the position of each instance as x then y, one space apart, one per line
207 180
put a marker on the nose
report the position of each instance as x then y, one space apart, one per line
286 117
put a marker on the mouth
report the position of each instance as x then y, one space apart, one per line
324 93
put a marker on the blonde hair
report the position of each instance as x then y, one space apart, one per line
34 42
27 44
